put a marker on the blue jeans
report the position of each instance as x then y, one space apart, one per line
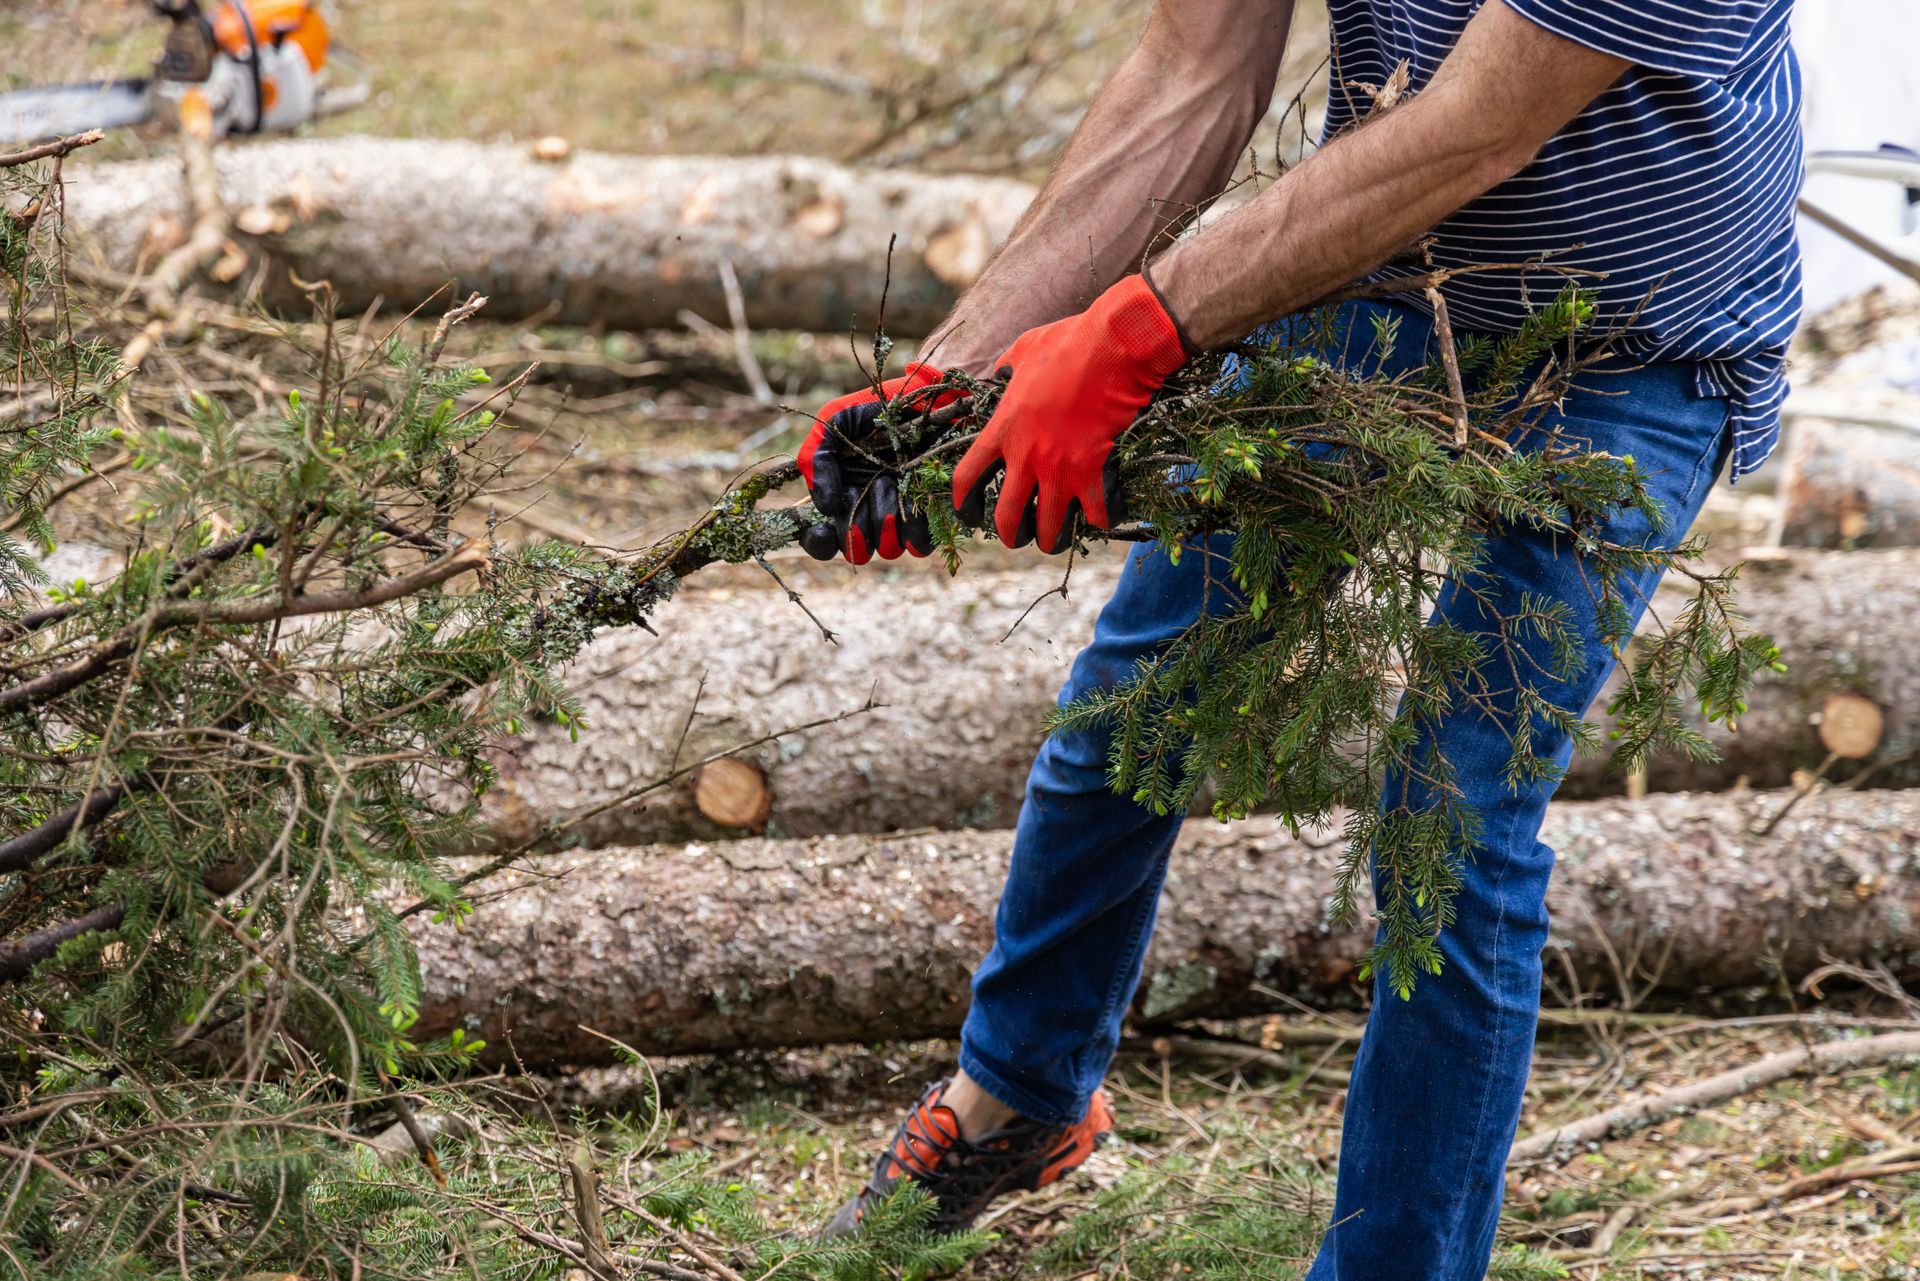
1437 1085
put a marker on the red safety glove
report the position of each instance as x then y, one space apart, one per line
848 463
1073 387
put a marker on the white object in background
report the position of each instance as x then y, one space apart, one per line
1895 166
1857 58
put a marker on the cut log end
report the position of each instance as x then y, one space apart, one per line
733 793
1851 725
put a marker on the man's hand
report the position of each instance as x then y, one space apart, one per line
1072 387
851 472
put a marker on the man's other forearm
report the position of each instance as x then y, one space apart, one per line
1505 90
1160 137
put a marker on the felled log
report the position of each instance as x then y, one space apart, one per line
1850 485
964 708
960 718
861 938
1844 622
626 241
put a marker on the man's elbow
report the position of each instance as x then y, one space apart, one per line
1234 97
1501 157
1490 141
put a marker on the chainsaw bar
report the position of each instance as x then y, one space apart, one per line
37 115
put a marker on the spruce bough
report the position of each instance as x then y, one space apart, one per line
1353 500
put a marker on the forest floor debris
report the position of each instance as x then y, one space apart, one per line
1821 1170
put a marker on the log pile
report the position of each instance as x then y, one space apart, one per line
960 718
838 883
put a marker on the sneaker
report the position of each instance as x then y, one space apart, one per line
965 1176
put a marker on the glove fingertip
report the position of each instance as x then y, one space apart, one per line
1015 515
1112 497
828 487
915 531
1060 538
890 545
971 501
820 541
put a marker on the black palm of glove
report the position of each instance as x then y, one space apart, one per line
852 471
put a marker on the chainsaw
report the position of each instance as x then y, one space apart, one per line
248 66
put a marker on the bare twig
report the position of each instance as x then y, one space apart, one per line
1443 334
585 1182
1888 1163
1828 1056
743 336
208 235
422 1144
826 633
58 147
453 316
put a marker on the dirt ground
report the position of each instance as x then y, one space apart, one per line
635 431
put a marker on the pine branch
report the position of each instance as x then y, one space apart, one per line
161 618
18 853
19 956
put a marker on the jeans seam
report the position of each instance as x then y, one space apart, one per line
1450 1247
1148 902
1700 465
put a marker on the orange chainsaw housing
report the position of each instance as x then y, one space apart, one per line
274 22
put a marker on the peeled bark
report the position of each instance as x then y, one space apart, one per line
625 241
862 938
964 708
1851 485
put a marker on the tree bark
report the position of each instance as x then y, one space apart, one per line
964 708
1844 623
625 241
1850 485
961 719
861 938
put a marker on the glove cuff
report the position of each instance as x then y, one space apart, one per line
916 374
1193 349
1141 328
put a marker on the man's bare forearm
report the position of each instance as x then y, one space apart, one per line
1161 136
1505 90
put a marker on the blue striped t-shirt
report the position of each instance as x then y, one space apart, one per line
1678 183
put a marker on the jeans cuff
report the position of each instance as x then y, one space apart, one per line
1034 1107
